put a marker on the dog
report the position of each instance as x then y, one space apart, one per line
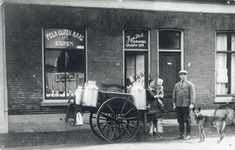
209 121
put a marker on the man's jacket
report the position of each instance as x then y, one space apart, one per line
184 95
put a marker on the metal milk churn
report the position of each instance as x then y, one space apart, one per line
139 95
90 95
160 124
79 95
79 118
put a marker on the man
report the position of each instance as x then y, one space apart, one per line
183 101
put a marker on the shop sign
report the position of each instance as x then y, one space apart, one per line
136 39
64 38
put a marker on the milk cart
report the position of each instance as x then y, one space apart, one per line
114 116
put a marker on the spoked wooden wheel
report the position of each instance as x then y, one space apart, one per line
94 128
118 120
224 109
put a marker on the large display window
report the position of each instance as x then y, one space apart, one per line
64 61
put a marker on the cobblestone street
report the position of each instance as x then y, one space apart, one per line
85 139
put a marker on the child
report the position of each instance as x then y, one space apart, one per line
159 93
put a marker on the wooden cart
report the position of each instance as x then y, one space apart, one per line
115 119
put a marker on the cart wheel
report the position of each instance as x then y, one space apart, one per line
118 120
94 128
224 109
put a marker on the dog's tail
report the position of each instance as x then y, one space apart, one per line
225 117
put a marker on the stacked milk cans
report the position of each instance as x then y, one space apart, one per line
87 96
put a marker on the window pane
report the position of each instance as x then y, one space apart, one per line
233 42
75 60
76 68
221 72
140 69
64 71
221 42
233 74
130 69
169 40
135 69
54 73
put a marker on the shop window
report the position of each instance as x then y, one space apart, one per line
169 39
64 61
225 63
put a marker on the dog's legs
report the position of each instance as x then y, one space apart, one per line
219 132
201 133
220 129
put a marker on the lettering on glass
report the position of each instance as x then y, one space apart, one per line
64 38
136 39
63 76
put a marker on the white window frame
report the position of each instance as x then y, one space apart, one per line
223 97
59 102
181 50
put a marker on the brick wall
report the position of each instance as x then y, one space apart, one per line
104 46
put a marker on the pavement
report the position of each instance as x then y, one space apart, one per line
83 138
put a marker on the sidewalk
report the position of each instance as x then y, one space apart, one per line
85 137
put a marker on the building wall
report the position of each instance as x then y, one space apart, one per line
23 33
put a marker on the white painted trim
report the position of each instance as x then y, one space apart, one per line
182 50
223 99
147 74
86 53
54 103
43 77
139 5
3 76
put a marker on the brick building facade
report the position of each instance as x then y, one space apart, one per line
105 53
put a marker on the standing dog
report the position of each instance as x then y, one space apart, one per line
207 121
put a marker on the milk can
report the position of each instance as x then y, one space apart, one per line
79 95
90 95
139 95
160 124
79 119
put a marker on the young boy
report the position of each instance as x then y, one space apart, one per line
159 93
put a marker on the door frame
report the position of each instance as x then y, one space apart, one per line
181 51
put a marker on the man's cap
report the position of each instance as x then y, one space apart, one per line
183 72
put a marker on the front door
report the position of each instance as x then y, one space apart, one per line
169 66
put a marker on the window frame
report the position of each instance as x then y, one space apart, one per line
141 50
59 101
224 97
179 42
181 50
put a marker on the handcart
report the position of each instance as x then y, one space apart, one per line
228 109
114 118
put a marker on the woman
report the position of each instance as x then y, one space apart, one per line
151 97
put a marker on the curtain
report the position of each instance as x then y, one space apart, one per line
221 64
233 66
